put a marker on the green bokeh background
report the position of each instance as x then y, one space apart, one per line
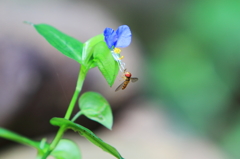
192 53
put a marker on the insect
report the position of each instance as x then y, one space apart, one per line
128 78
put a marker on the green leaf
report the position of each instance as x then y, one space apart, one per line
87 134
67 45
105 62
88 47
18 138
66 149
96 107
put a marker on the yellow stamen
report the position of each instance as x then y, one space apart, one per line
121 57
117 50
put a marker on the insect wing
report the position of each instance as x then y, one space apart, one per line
134 79
119 87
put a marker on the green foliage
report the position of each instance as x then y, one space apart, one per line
67 45
88 47
92 53
94 106
87 134
41 146
66 149
105 62
18 138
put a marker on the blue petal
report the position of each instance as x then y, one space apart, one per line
124 36
110 37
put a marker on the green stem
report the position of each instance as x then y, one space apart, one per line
76 116
18 138
81 77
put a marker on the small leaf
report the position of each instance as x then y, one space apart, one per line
87 134
88 47
66 149
67 45
96 107
105 62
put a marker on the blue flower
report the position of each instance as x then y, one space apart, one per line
119 38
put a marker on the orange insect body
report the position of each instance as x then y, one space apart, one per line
128 78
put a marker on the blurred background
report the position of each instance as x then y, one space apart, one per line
186 55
